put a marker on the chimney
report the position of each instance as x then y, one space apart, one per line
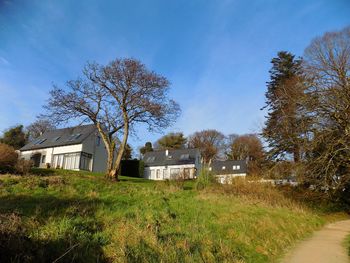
166 152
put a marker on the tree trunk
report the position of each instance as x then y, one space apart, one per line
296 154
110 174
122 147
110 148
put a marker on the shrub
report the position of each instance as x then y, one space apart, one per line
205 179
8 158
23 166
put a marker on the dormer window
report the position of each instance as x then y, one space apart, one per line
224 167
150 159
56 139
236 167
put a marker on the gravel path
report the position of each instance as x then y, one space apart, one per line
325 246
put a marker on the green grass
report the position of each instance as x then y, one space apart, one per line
347 244
82 217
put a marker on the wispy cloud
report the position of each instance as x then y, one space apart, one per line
4 61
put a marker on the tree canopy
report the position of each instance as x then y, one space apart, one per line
172 141
210 142
14 137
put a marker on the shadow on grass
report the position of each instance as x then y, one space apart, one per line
80 240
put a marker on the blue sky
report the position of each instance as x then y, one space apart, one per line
215 53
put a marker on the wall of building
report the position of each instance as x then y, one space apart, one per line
98 151
165 171
227 178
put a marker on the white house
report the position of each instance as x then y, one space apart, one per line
172 164
76 148
226 170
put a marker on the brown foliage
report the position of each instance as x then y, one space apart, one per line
8 158
209 142
23 166
327 66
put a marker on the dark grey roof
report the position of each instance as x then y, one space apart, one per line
175 157
217 167
61 137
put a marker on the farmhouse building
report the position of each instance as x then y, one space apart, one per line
172 164
226 170
76 148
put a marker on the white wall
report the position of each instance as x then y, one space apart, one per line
151 172
227 178
99 152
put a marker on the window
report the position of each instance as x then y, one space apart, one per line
56 139
210 169
73 137
98 141
224 167
165 173
236 167
150 159
158 173
174 173
39 141
43 159
85 161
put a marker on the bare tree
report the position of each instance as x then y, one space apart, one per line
327 67
39 127
248 147
116 98
210 142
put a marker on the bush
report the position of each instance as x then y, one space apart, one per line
23 166
8 158
205 179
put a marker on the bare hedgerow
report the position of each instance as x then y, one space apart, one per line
8 158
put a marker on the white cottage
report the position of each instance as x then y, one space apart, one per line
225 171
76 148
172 164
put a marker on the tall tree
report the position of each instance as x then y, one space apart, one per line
39 127
172 141
247 147
116 98
147 148
327 67
14 137
284 125
210 142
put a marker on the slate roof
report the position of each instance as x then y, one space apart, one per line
217 166
60 137
175 157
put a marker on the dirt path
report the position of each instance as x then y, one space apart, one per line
325 246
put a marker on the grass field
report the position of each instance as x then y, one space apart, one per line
81 217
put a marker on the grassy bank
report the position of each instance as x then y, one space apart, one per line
81 217
347 244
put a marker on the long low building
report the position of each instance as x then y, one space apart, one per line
186 163
172 164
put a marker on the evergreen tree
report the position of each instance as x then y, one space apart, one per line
14 137
172 141
147 148
285 124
